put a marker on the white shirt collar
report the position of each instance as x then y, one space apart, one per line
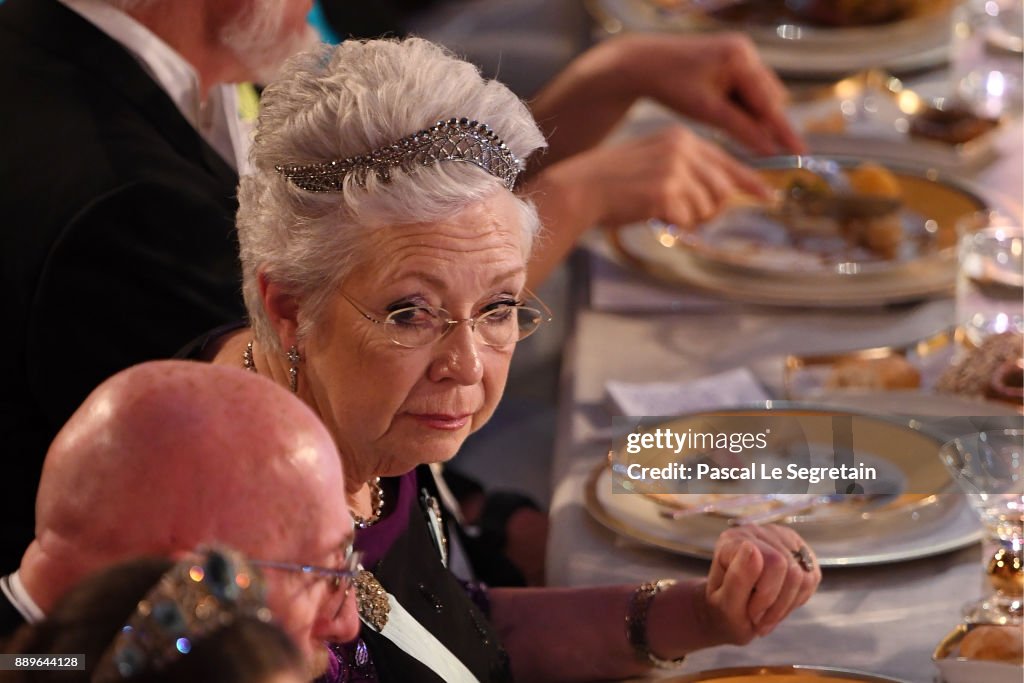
217 119
16 594
169 69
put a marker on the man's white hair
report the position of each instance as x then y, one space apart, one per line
345 101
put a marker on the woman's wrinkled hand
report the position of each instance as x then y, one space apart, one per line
756 580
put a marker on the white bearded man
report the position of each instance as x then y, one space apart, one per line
118 236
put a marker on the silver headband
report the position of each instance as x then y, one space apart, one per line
451 140
196 597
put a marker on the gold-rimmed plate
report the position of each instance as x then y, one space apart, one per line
918 40
795 673
907 478
912 366
757 241
916 536
958 669
919 524
637 245
764 267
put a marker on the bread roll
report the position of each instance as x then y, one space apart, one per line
997 643
890 372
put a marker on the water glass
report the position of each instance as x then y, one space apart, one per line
987 49
989 468
990 283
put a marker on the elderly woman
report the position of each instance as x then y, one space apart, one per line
384 254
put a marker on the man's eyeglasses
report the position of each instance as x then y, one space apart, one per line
499 324
339 580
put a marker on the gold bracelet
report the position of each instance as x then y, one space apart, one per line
636 624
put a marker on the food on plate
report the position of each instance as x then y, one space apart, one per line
831 123
953 125
974 373
886 373
828 13
995 643
1008 382
797 181
726 503
882 236
853 12
866 213
873 179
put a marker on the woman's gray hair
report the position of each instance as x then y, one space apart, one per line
345 101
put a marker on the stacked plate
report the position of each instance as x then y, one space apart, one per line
917 40
750 255
921 515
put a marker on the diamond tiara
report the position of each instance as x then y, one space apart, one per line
196 597
451 140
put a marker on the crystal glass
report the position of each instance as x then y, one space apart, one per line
986 55
989 467
990 282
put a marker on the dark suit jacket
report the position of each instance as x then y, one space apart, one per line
117 240
10 619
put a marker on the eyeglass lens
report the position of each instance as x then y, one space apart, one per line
420 326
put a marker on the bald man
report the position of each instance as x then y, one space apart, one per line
168 455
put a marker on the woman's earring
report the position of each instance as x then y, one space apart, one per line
293 368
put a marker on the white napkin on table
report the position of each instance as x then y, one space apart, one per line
724 390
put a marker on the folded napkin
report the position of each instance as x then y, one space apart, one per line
728 389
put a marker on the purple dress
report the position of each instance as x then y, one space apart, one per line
406 558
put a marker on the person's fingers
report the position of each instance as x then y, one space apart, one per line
783 545
811 579
785 601
685 199
759 91
739 123
739 176
739 580
716 174
726 551
699 197
769 113
678 212
769 584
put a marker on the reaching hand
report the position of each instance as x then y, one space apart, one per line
673 175
718 79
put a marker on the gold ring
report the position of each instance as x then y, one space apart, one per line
803 558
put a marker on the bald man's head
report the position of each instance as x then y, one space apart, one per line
170 454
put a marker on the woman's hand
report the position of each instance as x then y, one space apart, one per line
756 580
673 175
716 79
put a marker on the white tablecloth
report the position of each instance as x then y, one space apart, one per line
883 619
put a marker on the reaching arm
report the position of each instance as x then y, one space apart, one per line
672 175
717 79
572 634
